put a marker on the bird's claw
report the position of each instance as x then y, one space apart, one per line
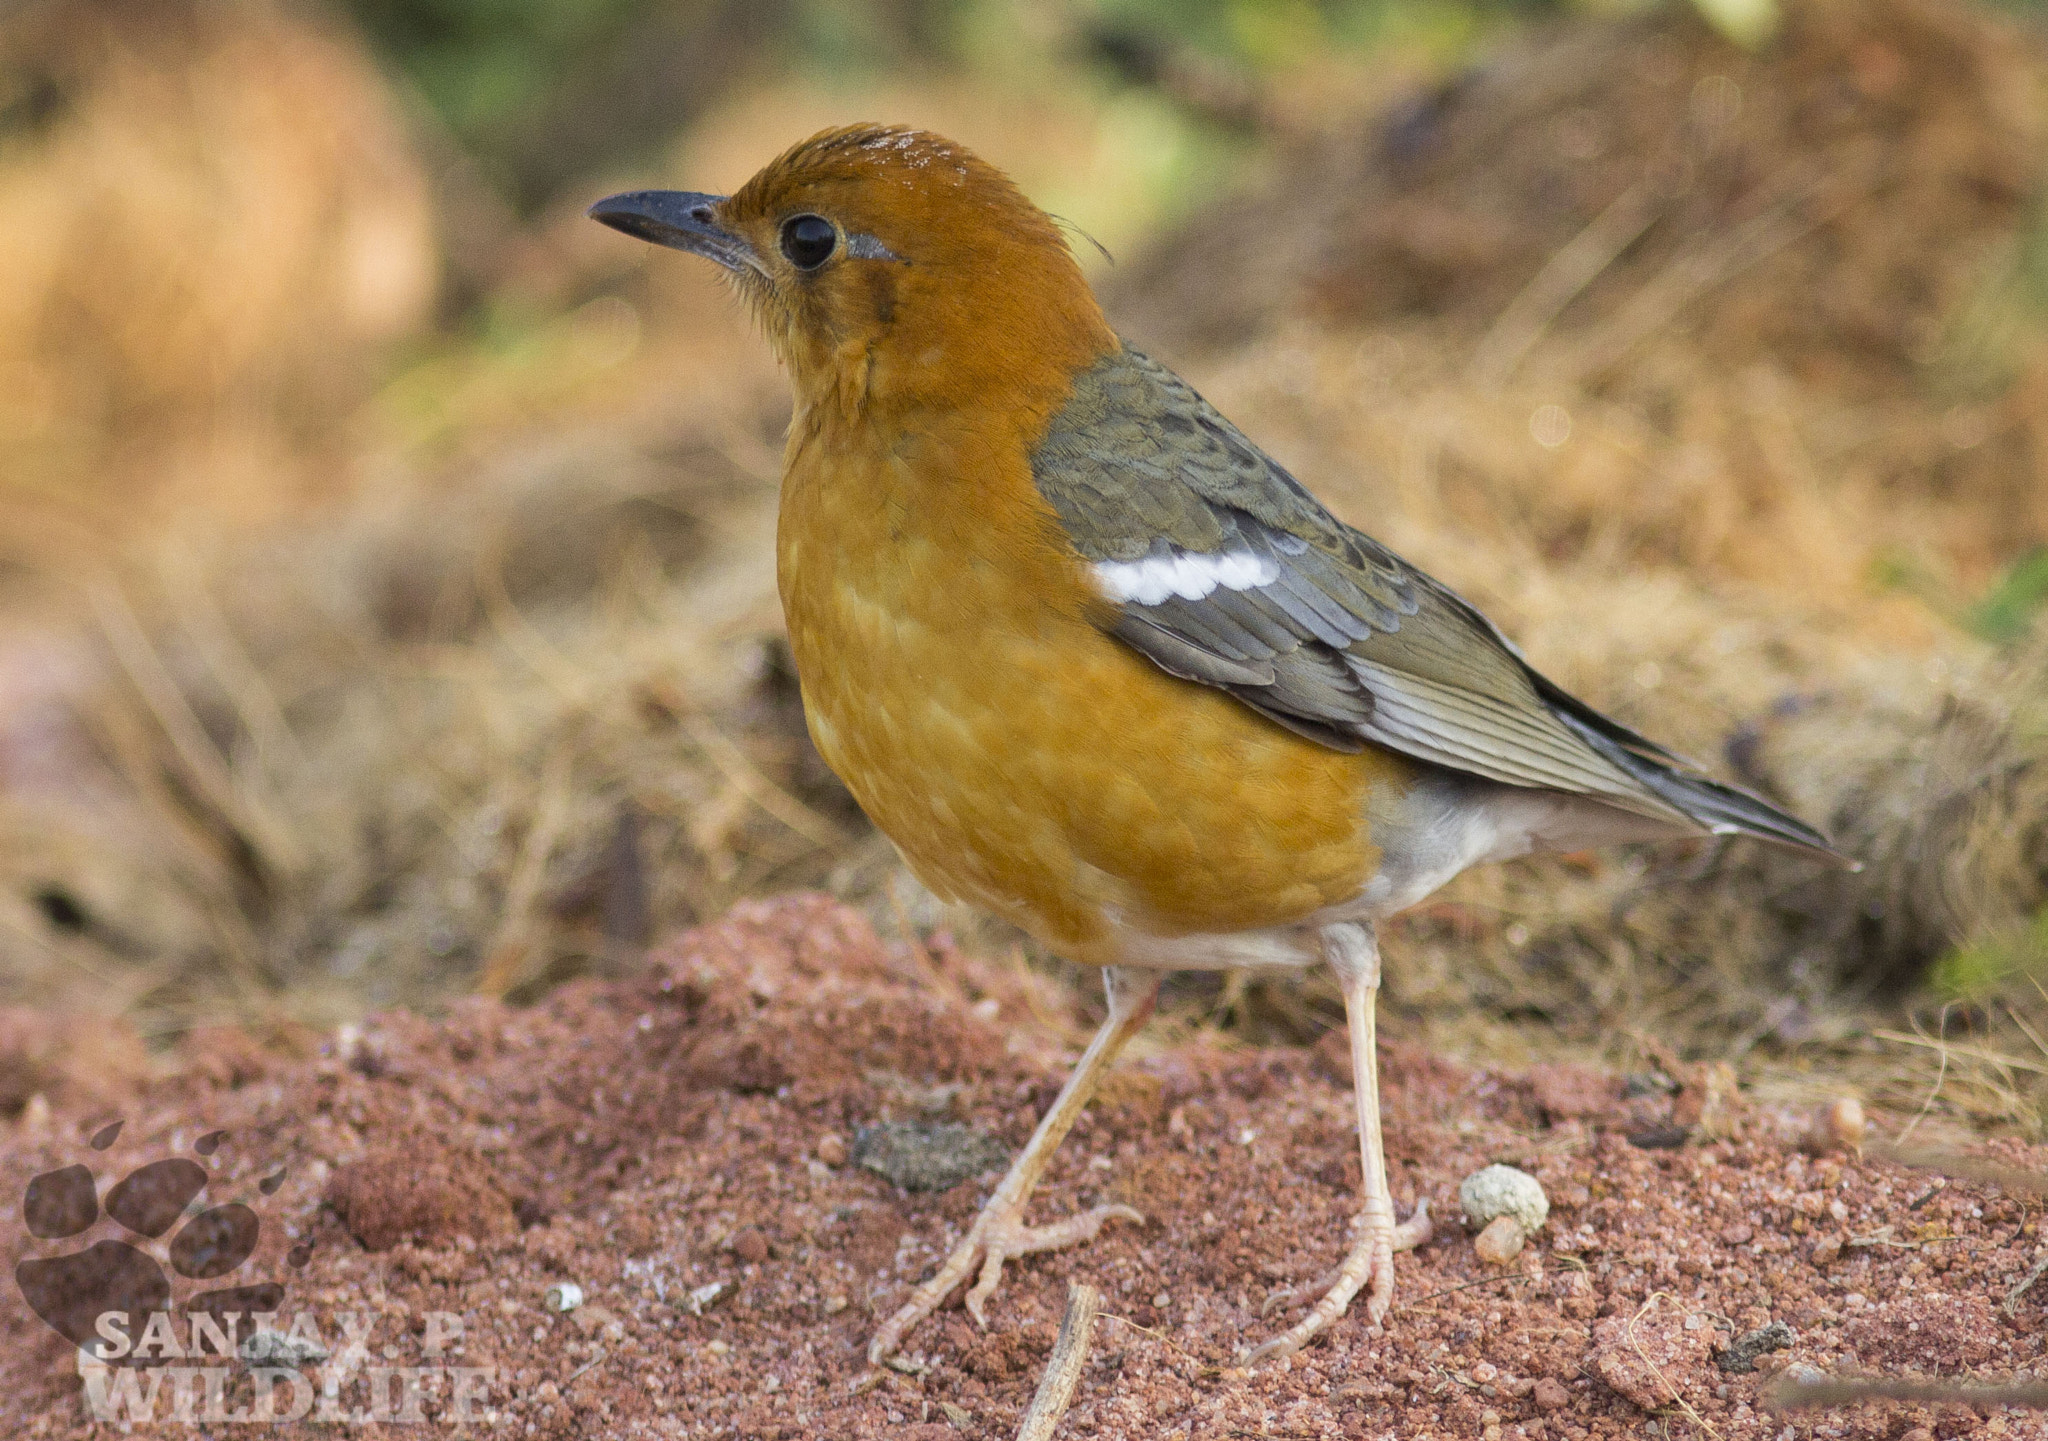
997 1234
1370 1264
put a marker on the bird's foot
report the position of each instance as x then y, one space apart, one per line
1371 1262
997 1234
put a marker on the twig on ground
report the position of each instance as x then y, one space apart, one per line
595 1361
1963 1168
2012 1297
1658 1371
1508 1280
1940 1185
1789 1392
1063 1367
1160 1336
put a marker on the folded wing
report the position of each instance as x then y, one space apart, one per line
1225 570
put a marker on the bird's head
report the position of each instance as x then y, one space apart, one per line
890 267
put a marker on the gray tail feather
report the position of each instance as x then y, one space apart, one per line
1721 808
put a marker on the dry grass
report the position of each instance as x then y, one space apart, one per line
493 729
212 224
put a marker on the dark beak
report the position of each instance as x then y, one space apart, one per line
679 219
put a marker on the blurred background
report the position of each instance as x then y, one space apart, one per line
386 597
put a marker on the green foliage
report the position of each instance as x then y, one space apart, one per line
2007 612
1981 968
479 61
539 91
1265 35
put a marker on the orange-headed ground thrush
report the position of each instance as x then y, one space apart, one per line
1095 662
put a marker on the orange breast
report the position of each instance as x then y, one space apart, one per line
1019 758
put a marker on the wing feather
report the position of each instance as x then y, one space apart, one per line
1228 572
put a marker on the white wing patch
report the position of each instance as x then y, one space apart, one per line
1189 576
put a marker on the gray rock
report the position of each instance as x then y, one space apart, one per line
925 1155
1742 1352
1504 1191
278 1349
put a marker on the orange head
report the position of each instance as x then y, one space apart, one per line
890 267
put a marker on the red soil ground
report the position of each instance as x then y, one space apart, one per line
647 1138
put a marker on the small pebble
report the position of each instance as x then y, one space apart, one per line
750 1246
1500 1242
1834 1126
1550 1395
832 1149
926 1155
1504 1191
1745 1351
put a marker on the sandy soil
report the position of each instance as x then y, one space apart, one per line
652 1139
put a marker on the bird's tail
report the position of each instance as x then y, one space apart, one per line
1719 807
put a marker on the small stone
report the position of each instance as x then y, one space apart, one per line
926 1155
1742 1352
1827 1250
750 1246
1504 1191
270 1348
1500 1242
1834 1126
1550 1395
831 1150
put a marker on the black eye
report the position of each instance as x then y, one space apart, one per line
808 240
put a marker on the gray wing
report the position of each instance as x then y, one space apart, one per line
1226 571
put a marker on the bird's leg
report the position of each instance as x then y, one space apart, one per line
999 1231
1353 952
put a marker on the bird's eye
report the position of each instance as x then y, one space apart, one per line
808 240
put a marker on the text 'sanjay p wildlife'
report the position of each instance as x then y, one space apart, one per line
1096 663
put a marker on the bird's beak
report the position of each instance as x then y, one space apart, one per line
679 219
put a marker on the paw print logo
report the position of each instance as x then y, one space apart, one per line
71 1292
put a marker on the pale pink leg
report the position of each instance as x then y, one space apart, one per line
1353 952
999 1231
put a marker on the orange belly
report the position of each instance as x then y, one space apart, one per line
1021 759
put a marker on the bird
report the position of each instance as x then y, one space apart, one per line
1097 664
